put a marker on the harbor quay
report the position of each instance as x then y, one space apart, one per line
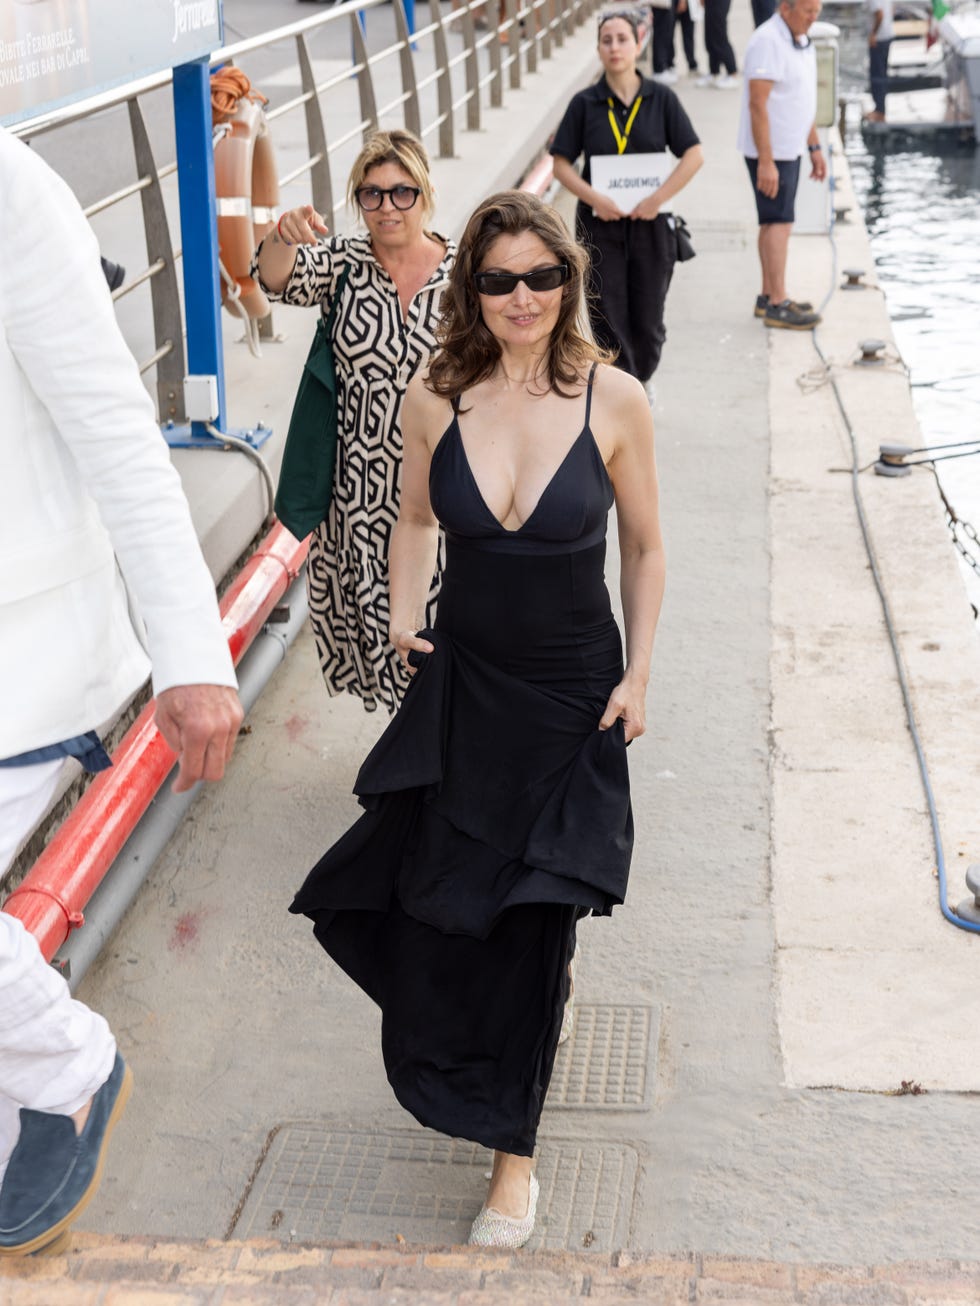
770 1087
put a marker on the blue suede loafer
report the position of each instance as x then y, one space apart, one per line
53 1171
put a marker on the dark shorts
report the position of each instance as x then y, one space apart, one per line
780 209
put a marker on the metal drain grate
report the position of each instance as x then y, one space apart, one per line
715 235
316 1182
606 1062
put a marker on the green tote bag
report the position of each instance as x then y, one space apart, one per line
308 460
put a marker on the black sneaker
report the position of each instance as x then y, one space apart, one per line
790 316
762 304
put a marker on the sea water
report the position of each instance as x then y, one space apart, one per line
921 202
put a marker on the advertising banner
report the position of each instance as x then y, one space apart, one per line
629 178
56 51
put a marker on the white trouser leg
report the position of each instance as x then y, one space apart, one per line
54 1052
25 792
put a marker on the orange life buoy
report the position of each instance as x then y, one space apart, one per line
247 187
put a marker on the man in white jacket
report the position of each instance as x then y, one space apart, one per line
85 479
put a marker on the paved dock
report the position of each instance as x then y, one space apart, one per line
774 1054
138 1271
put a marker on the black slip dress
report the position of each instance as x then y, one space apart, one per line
497 813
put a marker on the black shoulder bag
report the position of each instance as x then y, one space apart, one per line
682 237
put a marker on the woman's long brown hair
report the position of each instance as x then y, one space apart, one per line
469 352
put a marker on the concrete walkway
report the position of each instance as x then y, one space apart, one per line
781 945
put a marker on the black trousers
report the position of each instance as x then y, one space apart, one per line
663 39
687 36
630 267
716 42
878 60
761 10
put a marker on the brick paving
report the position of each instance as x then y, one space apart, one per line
103 1271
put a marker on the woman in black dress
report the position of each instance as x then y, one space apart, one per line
497 800
632 251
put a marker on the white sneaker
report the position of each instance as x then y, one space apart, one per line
705 79
726 82
667 78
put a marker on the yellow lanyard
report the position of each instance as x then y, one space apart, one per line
622 137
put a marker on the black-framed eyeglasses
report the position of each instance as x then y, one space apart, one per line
371 198
505 283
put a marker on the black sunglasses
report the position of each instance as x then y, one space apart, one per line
505 283
371 198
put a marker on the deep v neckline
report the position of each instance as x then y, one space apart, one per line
541 497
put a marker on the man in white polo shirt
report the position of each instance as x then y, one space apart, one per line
779 103
85 478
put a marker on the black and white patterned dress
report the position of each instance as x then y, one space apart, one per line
377 352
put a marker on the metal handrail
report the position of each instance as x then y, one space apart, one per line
520 55
153 270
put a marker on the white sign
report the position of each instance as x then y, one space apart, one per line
56 51
628 178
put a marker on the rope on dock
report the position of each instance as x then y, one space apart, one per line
903 682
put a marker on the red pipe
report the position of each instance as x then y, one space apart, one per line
51 898
540 175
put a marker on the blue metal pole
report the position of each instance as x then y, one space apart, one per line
410 16
199 229
362 19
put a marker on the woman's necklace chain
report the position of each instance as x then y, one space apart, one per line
502 378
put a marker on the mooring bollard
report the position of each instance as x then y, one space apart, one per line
969 908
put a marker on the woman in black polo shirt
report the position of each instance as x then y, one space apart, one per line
632 252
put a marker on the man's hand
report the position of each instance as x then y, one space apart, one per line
767 179
818 165
200 723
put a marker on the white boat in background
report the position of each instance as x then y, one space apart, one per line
959 32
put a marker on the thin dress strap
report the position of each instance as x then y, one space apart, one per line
588 393
455 403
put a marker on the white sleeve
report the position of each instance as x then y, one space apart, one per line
62 329
764 61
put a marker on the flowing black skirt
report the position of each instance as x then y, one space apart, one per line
496 815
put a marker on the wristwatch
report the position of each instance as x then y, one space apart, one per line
813 148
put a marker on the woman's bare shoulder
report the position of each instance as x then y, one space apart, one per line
617 386
429 412
618 396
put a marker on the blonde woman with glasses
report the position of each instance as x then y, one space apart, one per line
383 331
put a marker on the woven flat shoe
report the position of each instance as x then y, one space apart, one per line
492 1229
